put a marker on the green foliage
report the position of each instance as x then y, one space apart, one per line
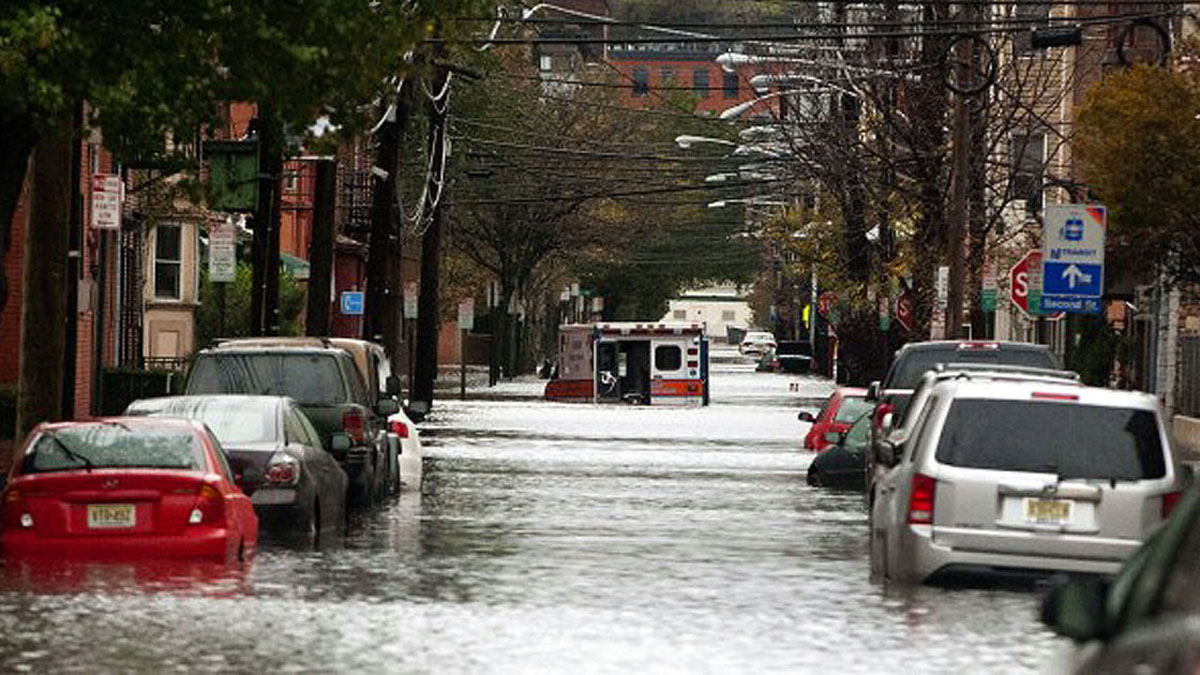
1097 349
1138 141
292 299
157 69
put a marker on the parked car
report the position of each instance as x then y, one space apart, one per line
795 356
891 395
374 367
1147 618
843 406
277 457
326 384
408 449
897 428
756 343
845 465
125 486
1006 474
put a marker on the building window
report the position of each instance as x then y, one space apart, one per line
700 82
680 314
291 180
728 315
546 62
667 76
641 81
168 261
668 358
732 85
1027 156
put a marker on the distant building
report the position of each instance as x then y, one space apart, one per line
717 307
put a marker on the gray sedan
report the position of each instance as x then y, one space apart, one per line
296 487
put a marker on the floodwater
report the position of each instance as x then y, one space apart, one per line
548 538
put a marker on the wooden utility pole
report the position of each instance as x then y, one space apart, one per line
320 250
431 247
381 321
264 294
958 212
44 299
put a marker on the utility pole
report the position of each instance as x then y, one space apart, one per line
44 301
431 245
381 320
958 211
264 294
320 250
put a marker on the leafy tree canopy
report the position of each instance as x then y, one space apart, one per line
1138 141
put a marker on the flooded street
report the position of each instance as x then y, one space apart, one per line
551 537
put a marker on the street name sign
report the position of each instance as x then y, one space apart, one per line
353 303
222 252
106 201
1073 258
987 296
466 314
410 300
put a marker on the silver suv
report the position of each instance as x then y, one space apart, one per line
1003 474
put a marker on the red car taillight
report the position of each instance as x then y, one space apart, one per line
14 514
1170 500
209 508
283 470
400 429
920 501
354 426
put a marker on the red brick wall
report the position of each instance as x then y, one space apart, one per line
10 318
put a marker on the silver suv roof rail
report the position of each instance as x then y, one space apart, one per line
967 369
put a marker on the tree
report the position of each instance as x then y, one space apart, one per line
236 303
1138 144
154 74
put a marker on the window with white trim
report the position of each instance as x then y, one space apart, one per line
168 261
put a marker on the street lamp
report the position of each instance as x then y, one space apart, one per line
686 141
752 201
737 110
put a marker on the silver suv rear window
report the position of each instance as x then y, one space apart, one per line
1068 439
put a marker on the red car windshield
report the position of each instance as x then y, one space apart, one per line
95 446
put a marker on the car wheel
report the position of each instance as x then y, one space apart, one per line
241 554
815 479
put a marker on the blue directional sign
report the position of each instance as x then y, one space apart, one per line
352 303
1073 258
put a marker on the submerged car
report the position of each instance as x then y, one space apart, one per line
329 388
757 343
841 409
125 486
1003 476
891 395
845 465
407 438
795 356
276 455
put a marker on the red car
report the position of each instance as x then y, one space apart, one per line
125 487
841 409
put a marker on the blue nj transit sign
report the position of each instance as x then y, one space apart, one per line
1073 258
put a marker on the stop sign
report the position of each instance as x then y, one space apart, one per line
1019 286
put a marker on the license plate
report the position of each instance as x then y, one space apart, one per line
111 516
1047 510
